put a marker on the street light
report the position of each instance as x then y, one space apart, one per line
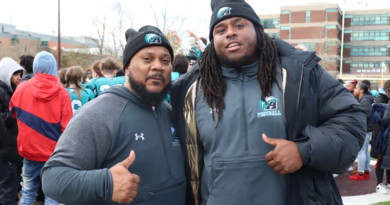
59 37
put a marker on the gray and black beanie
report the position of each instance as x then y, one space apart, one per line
224 9
145 37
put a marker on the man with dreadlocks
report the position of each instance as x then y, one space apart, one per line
262 121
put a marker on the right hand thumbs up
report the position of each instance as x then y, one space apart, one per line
125 183
129 160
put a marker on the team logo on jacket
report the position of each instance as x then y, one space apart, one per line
176 141
223 12
269 107
152 38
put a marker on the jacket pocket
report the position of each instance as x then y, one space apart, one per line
245 180
320 190
170 192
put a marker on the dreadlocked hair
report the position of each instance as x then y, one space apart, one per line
213 84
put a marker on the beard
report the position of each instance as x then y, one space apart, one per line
145 94
235 64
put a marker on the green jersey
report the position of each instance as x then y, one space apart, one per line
86 95
101 84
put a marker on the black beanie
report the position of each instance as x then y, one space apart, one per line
145 37
224 9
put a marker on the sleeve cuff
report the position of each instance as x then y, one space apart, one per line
305 150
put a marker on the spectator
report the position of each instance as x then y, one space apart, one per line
61 76
366 101
86 77
180 66
109 68
43 109
26 61
340 81
10 75
79 95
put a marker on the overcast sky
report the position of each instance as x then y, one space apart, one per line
76 15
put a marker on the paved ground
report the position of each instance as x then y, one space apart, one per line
360 192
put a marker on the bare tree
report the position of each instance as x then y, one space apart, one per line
100 27
165 22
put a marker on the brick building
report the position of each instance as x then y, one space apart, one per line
319 28
10 36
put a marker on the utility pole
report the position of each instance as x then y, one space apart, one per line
59 38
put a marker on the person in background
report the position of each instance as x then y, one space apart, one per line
61 76
79 95
26 61
86 77
109 68
180 66
10 160
366 101
43 109
381 186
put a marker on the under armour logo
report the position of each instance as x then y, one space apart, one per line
141 136
212 110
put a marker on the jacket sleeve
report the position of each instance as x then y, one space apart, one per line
4 110
366 104
386 115
66 112
73 173
333 145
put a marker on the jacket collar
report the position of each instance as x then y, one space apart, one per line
249 71
126 93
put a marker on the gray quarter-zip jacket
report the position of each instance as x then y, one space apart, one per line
235 170
101 134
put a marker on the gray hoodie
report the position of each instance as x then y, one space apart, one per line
7 68
101 134
235 171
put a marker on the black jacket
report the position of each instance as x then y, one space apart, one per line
381 98
27 77
322 116
366 102
8 127
386 122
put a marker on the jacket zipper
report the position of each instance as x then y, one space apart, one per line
239 163
155 191
300 88
162 137
244 111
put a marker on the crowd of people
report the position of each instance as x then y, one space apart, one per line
244 119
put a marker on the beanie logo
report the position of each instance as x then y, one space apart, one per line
223 12
152 38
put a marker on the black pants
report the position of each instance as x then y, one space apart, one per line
9 182
380 172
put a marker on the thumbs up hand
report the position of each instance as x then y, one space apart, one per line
285 158
125 183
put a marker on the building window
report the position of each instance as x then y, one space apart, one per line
43 43
379 35
273 35
270 23
364 20
309 46
289 15
14 41
369 51
308 13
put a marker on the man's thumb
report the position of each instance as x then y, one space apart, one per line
129 160
269 140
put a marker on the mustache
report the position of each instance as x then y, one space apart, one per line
156 75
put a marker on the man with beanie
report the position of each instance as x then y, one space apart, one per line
122 146
10 75
262 122
43 109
